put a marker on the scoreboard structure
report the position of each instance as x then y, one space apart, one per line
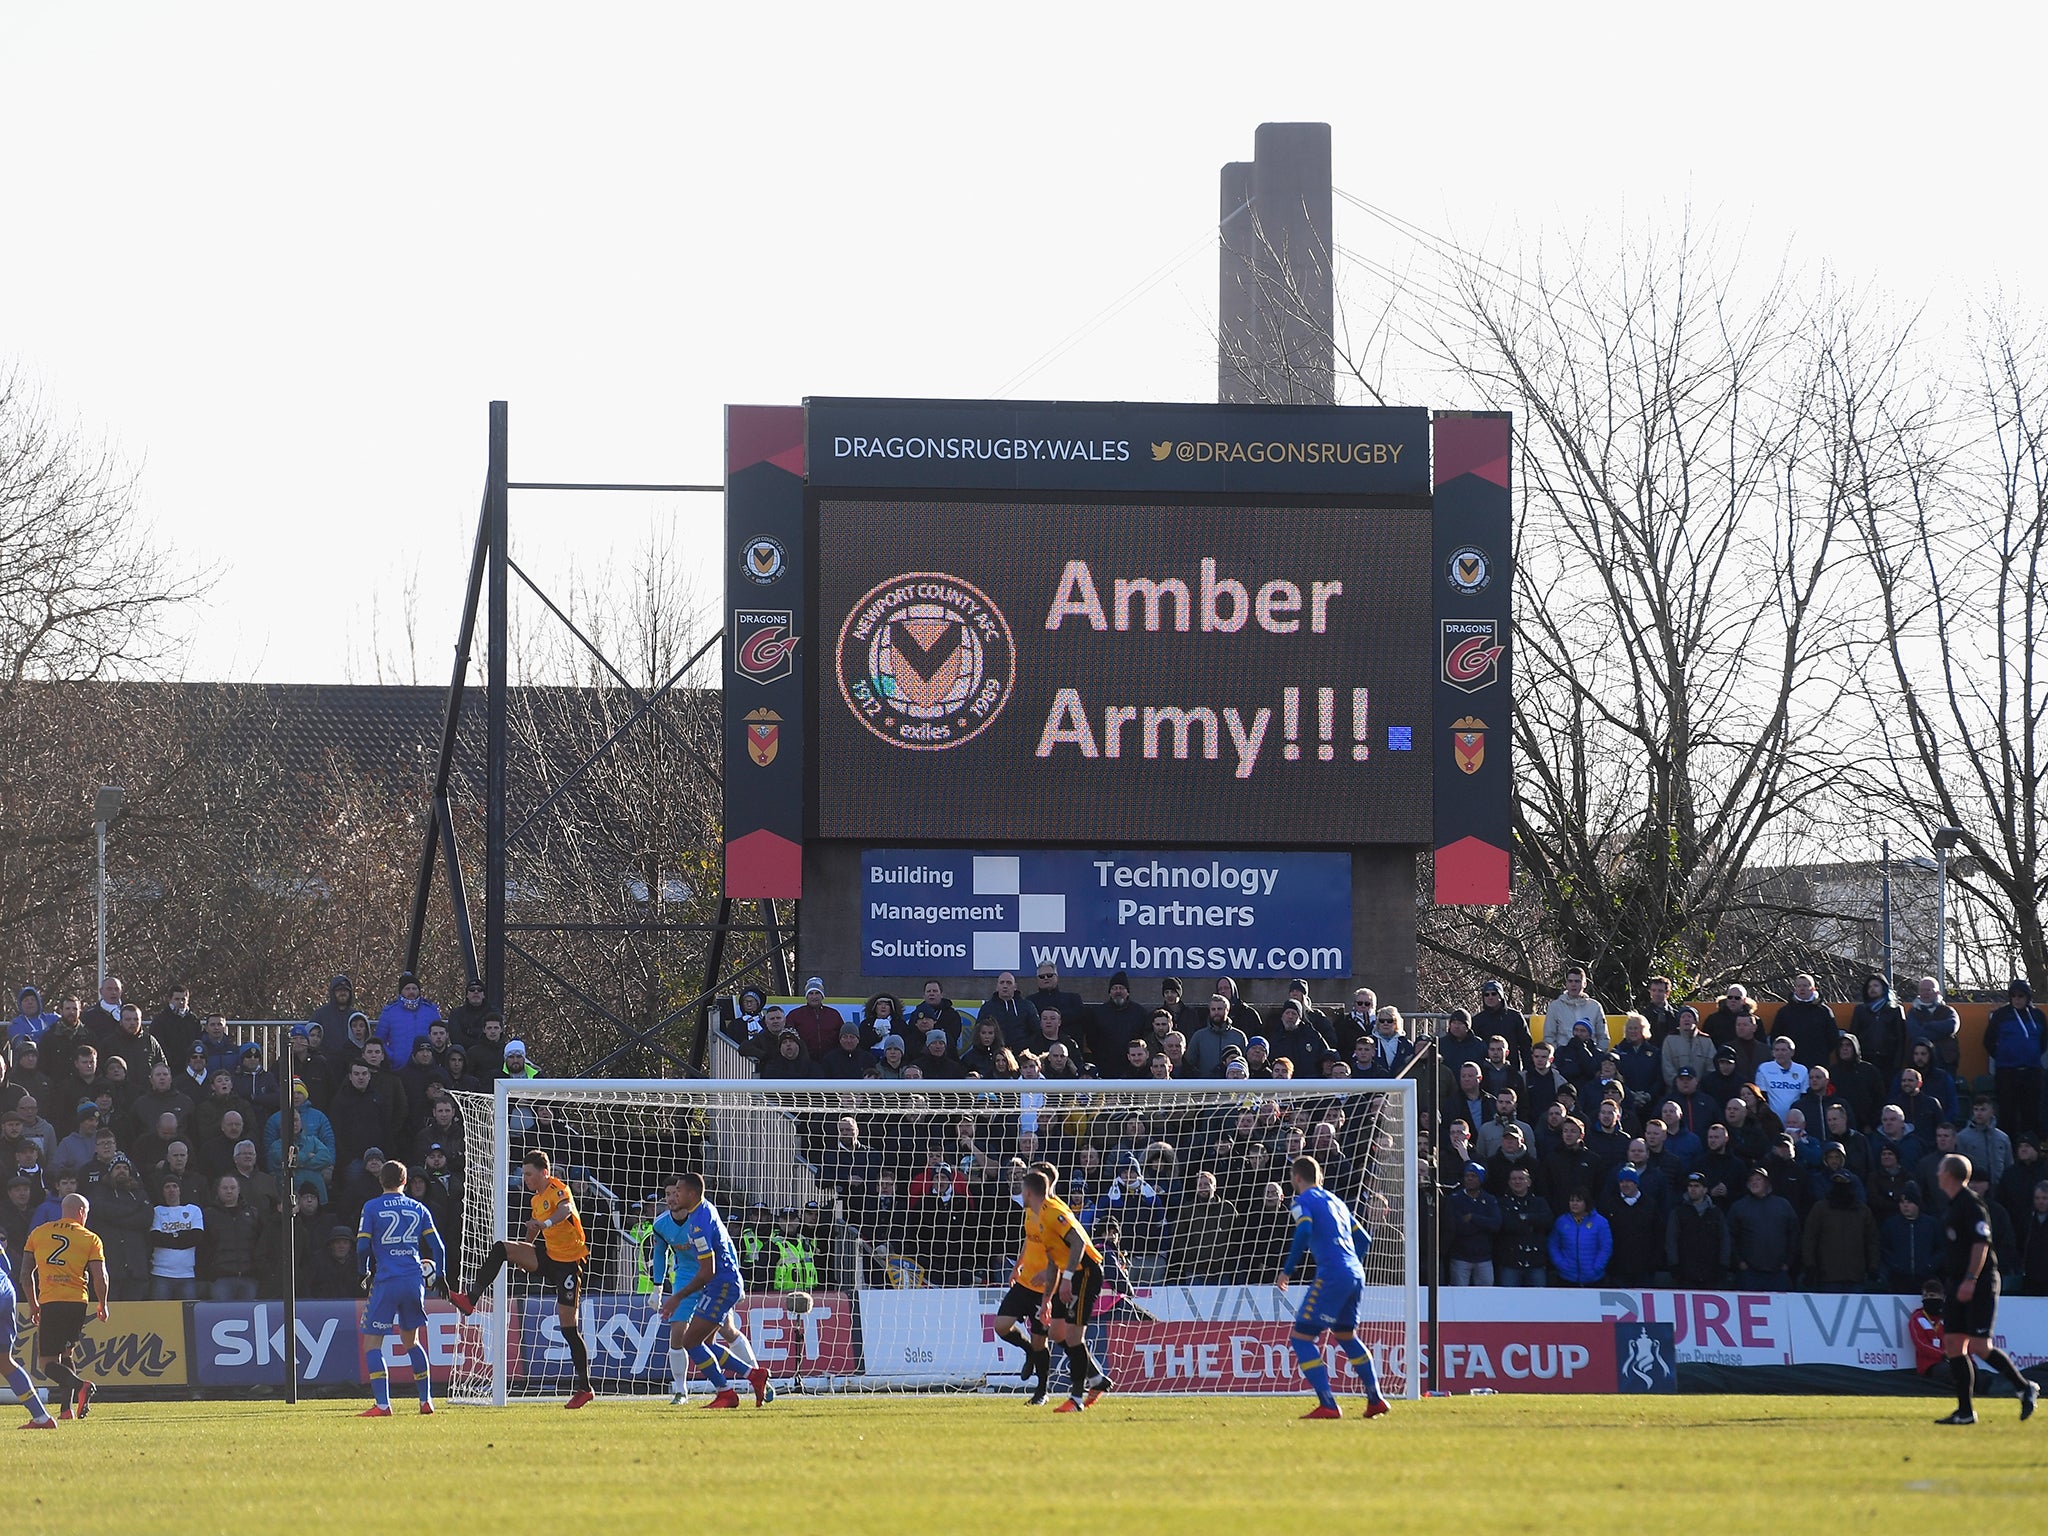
1167 689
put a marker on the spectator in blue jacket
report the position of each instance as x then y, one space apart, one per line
1581 1243
29 1021
1475 1220
2013 1038
1909 1245
405 1018
315 1144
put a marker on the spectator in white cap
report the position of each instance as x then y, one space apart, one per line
817 1022
515 1063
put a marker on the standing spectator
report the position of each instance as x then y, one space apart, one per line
1857 1083
1763 1237
104 1016
356 1117
132 1042
1204 1236
1505 1118
1636 1228
1908 1244
194 1073
333 1015
848 1059
330 1272
1525 1223
29 1021
254 1083
1574 1006
934 1011
258 1188
232 1244
1242 1013
405 1018
466 1020
1659 1013
1752 1047
1571 1164
1207 1044
1840 1248
1581 1242
2016 1188
1726 1170
221 1052
77 1150
313 1143
175 1230
18 1210
1932 1020
1295 1039
1782 1079
1392 1050
1495 1017
1880 1025
161 1099
121 1215
1809 1022
1113 1024
1457 1045
1735 1004
1696 1239
1982 1141
1640 1066
1068 1005
817 1021
1474 1218
176 1026
2013 1040
1012 1011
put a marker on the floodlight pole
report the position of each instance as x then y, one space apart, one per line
496 500
289 1141
1885 909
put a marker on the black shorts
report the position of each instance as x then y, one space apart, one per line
1087 1291
1021 1301
564 1277
62 1325
1976 1318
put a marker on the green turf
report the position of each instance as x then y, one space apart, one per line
915 1464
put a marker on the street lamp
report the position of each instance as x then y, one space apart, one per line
104 809
1945 840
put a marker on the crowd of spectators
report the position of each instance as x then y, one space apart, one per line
176 1132
1764 1147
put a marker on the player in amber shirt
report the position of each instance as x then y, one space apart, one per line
1025 1302
555 1251
1073 1278
67 1275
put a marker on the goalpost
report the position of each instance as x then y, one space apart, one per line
892 1207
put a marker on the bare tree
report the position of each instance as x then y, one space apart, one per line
1951 504
1687 609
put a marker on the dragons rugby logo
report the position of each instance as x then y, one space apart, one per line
926 661
1472 649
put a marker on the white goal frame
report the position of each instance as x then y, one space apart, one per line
504 1162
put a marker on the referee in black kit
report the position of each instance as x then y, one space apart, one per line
1969 1320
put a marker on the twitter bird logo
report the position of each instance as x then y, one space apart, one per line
1161 451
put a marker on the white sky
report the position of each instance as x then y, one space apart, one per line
283 255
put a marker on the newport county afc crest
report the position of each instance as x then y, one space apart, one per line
925 661
764 736
1468 742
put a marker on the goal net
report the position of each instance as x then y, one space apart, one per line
894 1208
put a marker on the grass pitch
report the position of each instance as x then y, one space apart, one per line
905 1465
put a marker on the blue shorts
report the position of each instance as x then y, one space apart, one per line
8 1324
396 1307
1329 1303
716 1300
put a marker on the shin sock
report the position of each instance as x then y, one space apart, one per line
422 1372
1964 1375
579 1357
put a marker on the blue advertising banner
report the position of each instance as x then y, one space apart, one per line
241 1343
951 911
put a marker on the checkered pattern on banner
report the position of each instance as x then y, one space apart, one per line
1001 875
